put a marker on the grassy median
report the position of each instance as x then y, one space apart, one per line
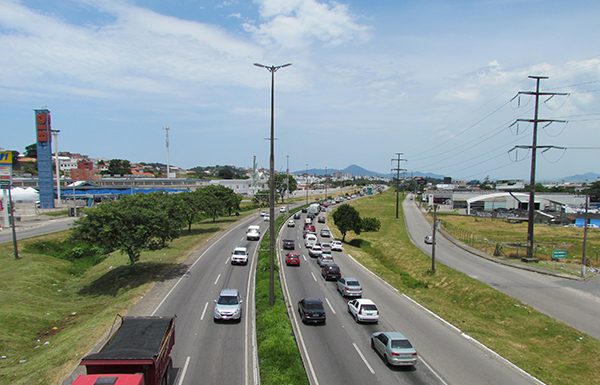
278 354
540 345
52 312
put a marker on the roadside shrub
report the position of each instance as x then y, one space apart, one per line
370 224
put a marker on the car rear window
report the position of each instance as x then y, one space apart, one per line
313 305
352 283
369 307
401 344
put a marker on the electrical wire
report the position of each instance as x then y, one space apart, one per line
564 150
487 171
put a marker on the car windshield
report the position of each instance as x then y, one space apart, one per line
239 252
352 283
313 305
401 344
227 300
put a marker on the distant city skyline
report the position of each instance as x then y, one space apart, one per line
433 80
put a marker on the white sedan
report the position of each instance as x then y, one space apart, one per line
291 223
336 246
363 310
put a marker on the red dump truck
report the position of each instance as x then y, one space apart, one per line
138 353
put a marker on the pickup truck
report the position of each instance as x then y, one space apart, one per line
138 353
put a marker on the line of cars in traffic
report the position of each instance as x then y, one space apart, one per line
393 347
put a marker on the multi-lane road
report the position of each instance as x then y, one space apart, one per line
339 352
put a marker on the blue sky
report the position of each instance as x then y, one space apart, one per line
430 79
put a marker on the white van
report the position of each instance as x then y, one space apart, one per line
310 240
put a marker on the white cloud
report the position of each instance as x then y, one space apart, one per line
298 23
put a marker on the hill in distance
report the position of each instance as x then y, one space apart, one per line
356 170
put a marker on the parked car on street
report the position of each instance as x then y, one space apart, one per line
363 310
292 259
394 348
349 287
228 306
312 310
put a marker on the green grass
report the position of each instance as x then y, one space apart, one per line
279 358
485 233
540 345
46 298
57 213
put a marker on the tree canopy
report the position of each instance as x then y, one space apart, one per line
281 184
346 218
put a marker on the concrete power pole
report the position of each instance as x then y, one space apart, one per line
287 179
167 128
398 169
534 147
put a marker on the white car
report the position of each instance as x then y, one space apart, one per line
363 310
315 251
282 210
291 223
239 256
267 218
337 246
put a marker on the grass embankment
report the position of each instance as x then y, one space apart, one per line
542 346
279 358
485 233
52 311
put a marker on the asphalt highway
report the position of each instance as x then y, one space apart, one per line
576 303
339 352
207 352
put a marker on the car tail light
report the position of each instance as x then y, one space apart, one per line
394 354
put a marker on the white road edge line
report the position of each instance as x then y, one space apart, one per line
303 256
364 359
515 367
217 280
187 362
204 311
432 371
331 307
243 223
250 323
315 278
227 260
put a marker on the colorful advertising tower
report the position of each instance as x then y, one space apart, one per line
44 158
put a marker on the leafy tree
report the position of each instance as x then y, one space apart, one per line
191 206
370 224
593 191
261 198
15 159
211 204
130 225
230 200
118 167
31 151
281 184
346 218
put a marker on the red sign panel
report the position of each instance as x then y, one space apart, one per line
42 124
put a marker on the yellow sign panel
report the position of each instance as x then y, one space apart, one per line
6 157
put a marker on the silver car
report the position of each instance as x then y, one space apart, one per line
349 287
395 349
228 306
325 259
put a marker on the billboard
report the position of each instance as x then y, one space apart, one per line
44 158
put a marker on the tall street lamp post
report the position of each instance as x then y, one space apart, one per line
272 70
306 184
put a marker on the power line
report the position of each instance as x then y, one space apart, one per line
398 169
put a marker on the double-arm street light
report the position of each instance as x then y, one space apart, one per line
272 70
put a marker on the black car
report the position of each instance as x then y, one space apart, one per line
305 210
331 272
311 310
321 219
288 244
297 216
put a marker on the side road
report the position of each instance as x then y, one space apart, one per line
576 303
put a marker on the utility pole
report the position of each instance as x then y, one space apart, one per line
167 128
398 169
306 185
57 162
325 182
534 147
433 238
585 233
